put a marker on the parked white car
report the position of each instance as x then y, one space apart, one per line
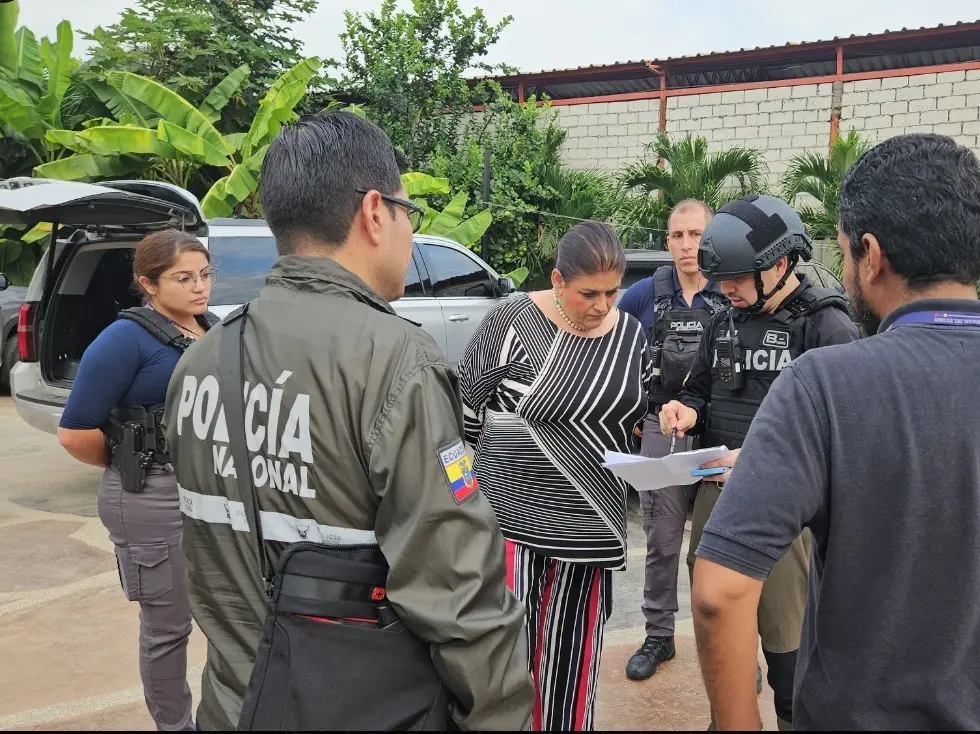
76 294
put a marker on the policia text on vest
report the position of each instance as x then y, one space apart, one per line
674 336
742 355
134 432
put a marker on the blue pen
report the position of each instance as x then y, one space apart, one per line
714 471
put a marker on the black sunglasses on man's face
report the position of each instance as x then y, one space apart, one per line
414 211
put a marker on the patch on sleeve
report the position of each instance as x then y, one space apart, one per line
459 472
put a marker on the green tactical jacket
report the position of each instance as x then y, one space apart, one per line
354 430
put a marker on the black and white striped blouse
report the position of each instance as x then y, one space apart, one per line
541 408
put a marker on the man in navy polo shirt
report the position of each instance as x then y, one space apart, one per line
673 305
873 445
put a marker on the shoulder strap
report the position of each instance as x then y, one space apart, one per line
716 301
809 301
158 325
231 357
663 287
211 319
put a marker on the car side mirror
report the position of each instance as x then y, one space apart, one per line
506 286
4 282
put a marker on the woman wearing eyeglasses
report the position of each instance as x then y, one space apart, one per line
122 381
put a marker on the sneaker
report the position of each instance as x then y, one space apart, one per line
655 650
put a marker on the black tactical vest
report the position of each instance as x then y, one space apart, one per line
768 344
674 336
150 417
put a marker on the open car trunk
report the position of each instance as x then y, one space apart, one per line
87 297
96 228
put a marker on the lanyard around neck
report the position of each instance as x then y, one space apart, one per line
937 318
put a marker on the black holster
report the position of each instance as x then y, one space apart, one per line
136 441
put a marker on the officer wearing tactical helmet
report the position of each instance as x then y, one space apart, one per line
751 248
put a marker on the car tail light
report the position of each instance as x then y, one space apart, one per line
25 331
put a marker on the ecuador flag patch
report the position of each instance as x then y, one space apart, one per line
459 472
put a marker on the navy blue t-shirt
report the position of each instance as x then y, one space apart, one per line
125 365
872 445
639 299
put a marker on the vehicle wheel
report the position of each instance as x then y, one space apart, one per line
9 358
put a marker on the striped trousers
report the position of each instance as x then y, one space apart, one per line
567 608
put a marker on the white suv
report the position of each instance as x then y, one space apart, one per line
75 295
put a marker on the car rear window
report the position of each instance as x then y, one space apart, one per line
243 264
638 270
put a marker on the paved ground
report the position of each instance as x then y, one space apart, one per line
68 637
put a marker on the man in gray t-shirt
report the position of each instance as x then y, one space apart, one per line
873 446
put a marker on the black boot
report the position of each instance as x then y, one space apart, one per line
655 650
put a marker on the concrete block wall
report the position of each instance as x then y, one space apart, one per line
947 103
608 135
781 121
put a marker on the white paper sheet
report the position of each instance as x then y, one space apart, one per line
646 474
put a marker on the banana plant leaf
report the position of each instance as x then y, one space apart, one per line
217 203
430 214
8 45
85 167
278 103
169 105
422 184
125 109
235 140
37 233
101 121
10 250
223 91
472 229
233 189
106 140
18 114
450 217
18 261
30 70
58 61
191 145
518 276
64 138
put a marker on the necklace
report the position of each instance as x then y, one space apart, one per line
565 316
184 329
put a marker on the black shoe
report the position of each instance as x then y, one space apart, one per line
644 662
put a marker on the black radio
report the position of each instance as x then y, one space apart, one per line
730 357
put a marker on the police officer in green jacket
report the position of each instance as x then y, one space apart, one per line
353 425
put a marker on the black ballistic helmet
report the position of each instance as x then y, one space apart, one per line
749 236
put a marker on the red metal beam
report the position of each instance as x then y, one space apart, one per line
787 51
663 102
835 109
520 92
829 79
586 71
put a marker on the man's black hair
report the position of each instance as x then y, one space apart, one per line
919 195
311 173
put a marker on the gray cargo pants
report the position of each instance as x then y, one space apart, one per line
664 515
146 529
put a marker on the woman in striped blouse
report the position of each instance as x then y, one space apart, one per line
550 381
